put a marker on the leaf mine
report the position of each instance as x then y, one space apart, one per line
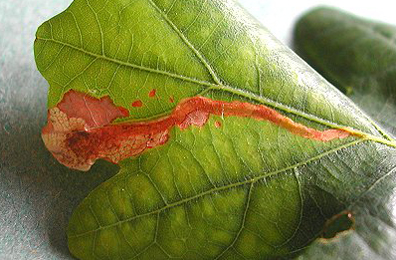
79 129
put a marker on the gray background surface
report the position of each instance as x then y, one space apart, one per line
37 195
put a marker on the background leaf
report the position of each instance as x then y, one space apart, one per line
358 56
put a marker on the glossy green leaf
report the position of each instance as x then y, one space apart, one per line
359 57
247 189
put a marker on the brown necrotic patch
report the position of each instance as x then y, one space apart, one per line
80 129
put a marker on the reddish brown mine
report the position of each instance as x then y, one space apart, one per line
80 129
137 103
152 93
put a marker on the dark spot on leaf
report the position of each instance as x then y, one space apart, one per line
77 137
171 99
338 224
218 124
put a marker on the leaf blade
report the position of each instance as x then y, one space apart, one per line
257 164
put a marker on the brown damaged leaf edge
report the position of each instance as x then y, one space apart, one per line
80 130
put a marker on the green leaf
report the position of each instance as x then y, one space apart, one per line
247 189
359 57
355 54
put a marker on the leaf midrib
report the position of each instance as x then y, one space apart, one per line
371 32
226 187
217 80
239 92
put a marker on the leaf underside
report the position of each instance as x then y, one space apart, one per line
247 189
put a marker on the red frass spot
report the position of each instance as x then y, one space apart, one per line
152 93
171 99
218 124
78 137
137 103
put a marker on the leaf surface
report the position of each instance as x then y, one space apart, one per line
359 57
235 187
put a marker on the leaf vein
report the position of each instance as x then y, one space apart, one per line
247 204
188 43
227 187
